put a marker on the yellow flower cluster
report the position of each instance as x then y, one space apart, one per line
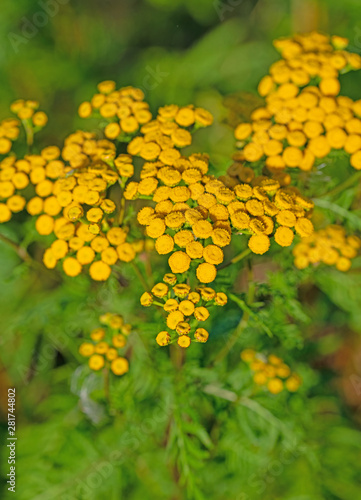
264 210
297 127
185 309
190 218
161 139
124 109
27 112
9 132
330 246
105 345
271 372
70 201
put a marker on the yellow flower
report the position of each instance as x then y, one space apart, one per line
240 220
213 254
203 117
185 117
184 341
116 236
221 299
194 249
293 383
259 243
284 236
182 238
343 264
286 218
201 335
119 366
106 87
186 307
85 255
86 349
248 355
179 262
49 259
183 328
202 229
206 273
111 354
163 338
275 385
174 318
156 227
201 313
304 227
119 340
170 278
330 86
171 305
181 290
221 237
164 244
97 334
160 290
126 252
71 266
146 299
101 348
96 362
99 271
44 224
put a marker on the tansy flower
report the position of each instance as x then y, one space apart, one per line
96 362
146 299
206 273
170 278
86 349
163 338
171 305
183 328
174 318
284 236
160 290
119 366
184 341
201 335
179 262
99 271
259 243
186 307
201 313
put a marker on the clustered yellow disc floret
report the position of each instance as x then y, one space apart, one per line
124 109
106 345
304 118
330 246
69 200
27 112
9 132
271 372
185 309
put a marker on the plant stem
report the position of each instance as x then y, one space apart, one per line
140 276
241 325
22 253
344 185
236 259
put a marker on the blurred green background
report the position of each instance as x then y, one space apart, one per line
177 51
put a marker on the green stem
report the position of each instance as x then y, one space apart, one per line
241 325
140 276
333 207
22 253
344 185
29 132
236 259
